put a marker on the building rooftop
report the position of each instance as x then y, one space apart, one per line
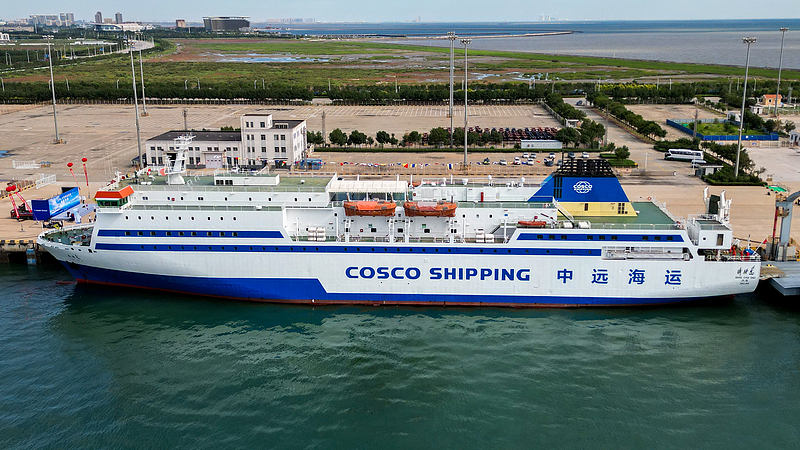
291 123
232 136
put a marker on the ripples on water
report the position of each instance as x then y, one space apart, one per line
95 367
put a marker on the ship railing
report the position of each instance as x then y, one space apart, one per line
652 253
636 226
80 234
229 188
506 205
726 257
140 207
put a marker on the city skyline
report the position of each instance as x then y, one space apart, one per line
367 11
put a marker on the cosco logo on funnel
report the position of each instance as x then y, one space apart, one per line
383 273
582 187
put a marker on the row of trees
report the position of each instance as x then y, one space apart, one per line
589 134
437 137
635 121
563 109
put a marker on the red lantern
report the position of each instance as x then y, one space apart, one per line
10 188
69 165
84 159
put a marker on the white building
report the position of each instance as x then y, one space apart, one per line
794 138
261 141
4 37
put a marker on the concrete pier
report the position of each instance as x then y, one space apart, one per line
783 276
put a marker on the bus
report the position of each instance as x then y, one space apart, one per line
682 154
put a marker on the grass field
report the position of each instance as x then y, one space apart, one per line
353 62
722 129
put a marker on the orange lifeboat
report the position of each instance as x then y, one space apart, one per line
430 209
531 224
369 208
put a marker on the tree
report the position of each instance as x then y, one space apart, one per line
412 138
622 153
370 141
338 137
315 137
393 140
382 137
789 126
357 138
591 133
438 136
568 135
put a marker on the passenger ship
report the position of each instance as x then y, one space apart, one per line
574 239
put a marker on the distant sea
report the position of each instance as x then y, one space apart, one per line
696 41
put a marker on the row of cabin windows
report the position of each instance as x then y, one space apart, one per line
183 233
346 249
179 218
600 237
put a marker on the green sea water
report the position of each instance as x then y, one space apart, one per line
92 367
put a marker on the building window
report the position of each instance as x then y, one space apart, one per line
263 149
283 150
283 137
277 138
263 125
277 149
263 137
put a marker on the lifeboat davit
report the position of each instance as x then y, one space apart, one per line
369 208
531 224
430 209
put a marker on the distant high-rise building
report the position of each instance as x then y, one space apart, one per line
180 23
98 17
118 17
108 20
225 23
71 18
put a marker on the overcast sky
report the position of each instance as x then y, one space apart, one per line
405 10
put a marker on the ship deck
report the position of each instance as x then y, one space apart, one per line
648 214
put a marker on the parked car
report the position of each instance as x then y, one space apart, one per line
559 163
548 162
552 156
571 155
580 102
486 161
532 156
530 162
517 161
525 155
503 162
585 155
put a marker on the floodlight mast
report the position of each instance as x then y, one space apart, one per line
748 41
52 87
780 66
466 42
451 35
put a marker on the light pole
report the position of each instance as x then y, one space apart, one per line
452 36
466 42
117 83
136 109
780 66
198 83
3 83
52 88
748 41
186 85
141 72
255 82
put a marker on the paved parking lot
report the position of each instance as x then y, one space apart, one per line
106 134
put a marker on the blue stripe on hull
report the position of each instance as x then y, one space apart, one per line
306 290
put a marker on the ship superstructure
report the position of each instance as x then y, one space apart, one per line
440 241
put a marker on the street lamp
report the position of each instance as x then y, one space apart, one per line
748 41
52 87
141 72
780 66
466 42
186 85
198 83
451 35
136 109
3 83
